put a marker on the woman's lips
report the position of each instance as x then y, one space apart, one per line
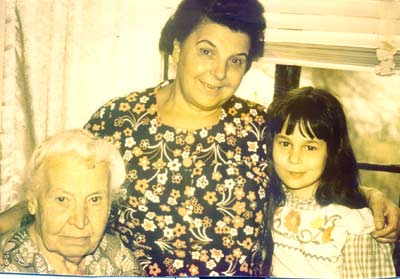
210 86
76 240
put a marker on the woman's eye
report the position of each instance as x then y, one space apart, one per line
61 199
96 199
237 61
205 51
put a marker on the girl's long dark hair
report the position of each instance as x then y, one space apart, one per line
320 115
323 117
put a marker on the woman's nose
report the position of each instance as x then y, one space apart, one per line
219 69
79 217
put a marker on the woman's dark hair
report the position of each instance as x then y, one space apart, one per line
244 16
323 117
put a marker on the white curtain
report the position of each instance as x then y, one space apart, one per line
32 97
78 54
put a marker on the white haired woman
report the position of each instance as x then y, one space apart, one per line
71 179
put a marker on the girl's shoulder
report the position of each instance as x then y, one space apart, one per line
353 221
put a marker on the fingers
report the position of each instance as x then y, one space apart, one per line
379 211
390 238
385 235
391 229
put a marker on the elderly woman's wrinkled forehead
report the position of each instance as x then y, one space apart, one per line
73 172
89 162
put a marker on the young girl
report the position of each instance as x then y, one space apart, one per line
321 225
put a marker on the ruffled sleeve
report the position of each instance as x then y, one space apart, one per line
363 256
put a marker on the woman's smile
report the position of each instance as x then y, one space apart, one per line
211 87
209 70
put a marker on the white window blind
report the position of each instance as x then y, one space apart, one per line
339 34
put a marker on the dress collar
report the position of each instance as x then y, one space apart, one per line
294 201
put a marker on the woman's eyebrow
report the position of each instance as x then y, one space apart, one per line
213 45
206 41
100 192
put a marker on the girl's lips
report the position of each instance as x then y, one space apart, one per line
295 174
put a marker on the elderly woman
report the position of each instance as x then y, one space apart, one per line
70 180
194 202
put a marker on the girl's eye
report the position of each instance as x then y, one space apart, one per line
284 143
310 148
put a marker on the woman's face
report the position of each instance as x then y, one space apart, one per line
211 63
299 161
71 209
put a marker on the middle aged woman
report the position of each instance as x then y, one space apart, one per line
195 153
69 183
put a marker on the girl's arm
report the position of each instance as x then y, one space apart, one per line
386 215
363 255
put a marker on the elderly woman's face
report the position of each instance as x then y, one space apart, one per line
211 63
72 209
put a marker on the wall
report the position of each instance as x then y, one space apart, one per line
120 56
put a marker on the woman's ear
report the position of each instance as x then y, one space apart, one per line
176 51
32 204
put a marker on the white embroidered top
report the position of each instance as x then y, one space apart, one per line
333 241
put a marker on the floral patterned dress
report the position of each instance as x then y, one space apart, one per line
110 258
193 200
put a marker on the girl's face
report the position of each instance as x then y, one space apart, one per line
211 63
299 161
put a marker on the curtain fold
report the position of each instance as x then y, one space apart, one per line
32 92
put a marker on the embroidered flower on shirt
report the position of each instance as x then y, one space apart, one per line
317 223
326 236
292 221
